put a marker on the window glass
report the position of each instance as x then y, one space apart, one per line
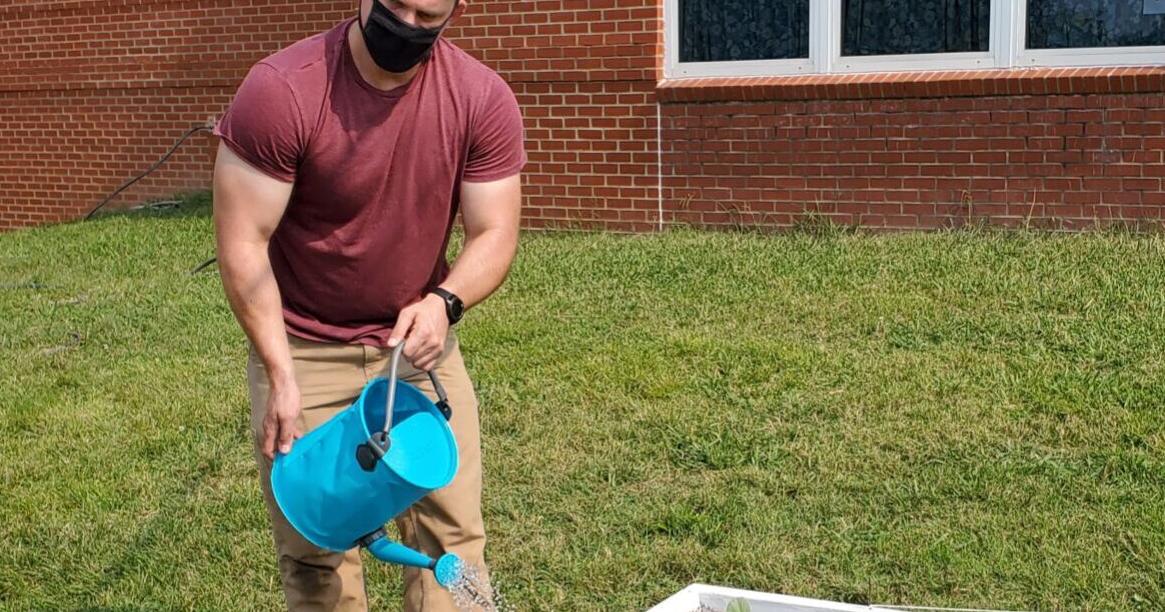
1068 24
901 27
726 30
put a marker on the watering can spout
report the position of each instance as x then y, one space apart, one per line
394 552
446 568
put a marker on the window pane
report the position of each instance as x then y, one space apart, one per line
1066 24
899 27
724 30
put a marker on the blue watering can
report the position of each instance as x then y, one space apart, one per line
345 479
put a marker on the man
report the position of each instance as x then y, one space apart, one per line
343 161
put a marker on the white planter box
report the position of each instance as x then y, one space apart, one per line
718 598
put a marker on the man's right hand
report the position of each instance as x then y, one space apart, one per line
281 422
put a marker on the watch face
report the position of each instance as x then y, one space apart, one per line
454 307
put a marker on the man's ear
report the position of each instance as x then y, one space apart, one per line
459 10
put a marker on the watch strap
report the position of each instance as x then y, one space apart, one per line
450 299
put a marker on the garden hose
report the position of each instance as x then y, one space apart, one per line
126 185
188 134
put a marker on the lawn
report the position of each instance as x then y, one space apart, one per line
968 419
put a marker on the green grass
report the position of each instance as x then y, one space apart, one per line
964 419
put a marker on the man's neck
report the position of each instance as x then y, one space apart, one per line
374 75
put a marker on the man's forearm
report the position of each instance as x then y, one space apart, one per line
254 298
482 265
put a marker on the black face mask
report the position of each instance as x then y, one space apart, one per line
396 46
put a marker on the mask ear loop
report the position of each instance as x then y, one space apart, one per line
452 13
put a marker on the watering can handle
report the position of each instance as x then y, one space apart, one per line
442 399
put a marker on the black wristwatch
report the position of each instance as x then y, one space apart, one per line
454 307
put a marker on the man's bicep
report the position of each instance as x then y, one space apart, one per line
263 123
248 203
491 204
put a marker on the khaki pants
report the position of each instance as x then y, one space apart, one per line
330 377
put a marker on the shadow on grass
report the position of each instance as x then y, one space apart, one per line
188 205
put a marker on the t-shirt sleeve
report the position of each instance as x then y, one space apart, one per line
496 143
263 124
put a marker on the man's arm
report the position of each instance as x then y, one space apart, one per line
490 213
248 205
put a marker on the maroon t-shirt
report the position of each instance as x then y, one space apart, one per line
377 175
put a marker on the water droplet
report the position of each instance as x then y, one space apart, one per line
473 591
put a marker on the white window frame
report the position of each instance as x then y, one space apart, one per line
675 69
1084 56
1006 50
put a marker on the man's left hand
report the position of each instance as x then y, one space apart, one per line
423 326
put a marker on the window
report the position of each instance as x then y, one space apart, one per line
726 30
898 27
773 37
1071 24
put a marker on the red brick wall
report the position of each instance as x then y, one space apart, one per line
92 93
584 72
1055 149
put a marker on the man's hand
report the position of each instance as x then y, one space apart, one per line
280 423
423 326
